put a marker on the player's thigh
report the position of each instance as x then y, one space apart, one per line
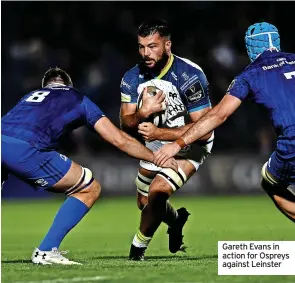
41 169
168 181
70 179
278 170
187 167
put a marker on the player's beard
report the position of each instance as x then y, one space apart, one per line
159 65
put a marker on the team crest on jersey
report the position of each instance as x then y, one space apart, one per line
195 92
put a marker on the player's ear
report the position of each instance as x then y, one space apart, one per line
168 45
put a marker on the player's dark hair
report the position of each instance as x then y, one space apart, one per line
154 26
56 74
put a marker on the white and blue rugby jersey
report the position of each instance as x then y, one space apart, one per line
185 81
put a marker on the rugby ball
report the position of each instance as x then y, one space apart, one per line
156 118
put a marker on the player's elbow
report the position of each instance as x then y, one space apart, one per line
121 140
221 115
125 124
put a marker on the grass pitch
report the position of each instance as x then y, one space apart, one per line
102 240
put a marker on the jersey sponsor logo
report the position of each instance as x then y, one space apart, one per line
195 92
185 76
123 83
273 66
175 110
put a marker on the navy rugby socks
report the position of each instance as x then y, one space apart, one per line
68 216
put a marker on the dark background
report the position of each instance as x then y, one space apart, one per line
96 43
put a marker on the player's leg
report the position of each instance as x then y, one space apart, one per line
283 195
82 191
46 170
165 183
143 181
57 173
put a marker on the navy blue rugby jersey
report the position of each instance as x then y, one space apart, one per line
270 81
43 115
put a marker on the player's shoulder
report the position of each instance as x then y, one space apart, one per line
271 57
63 92
62 89
288 56
131 76
186 65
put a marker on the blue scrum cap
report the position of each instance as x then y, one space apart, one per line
260 37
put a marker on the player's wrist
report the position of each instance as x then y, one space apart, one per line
157 133
143 113
181 143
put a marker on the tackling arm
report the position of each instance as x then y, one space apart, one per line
151 132
202 127
213 119
109 132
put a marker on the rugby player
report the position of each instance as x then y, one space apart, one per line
184 89
29 139
270 82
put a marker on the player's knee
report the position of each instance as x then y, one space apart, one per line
169 181
160 191
95 190
143 185
141 201
278 200
86 185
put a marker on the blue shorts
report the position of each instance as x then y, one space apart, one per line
282 170
42 169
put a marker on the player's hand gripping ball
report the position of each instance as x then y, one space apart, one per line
158 118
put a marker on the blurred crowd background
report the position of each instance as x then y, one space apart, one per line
96 43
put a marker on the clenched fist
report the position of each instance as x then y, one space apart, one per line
149 131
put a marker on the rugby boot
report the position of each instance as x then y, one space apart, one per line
175 231
137 253
51 257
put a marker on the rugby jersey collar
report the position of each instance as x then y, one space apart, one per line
166 68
